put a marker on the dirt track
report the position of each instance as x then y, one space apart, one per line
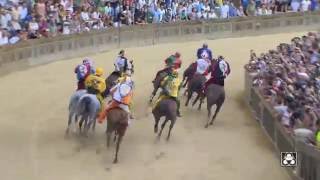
34 117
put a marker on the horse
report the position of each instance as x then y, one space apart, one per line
215 95
88 107
156 84
167 108
195 85
187 75
117 122
111 80
74 100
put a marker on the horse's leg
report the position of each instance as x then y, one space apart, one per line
170 128
209 106
189 97
117 149
154 92
156 125
201 101
108 138
185 82
81 123
162 127
115 136
69 122
87 126
195 101
219 105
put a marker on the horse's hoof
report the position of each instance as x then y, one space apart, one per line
206 126
155 130
115 161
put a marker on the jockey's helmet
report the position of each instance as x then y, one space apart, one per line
87 61
177 54
99 72
121 53
205 45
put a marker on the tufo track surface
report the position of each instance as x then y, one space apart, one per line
33 113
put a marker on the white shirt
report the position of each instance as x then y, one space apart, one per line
120 63
162 12
305 5
224 11
23 12
202 66
4 19
212 15
223 67
3 39
85 16
95 15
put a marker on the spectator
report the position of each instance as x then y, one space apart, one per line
289 79
225 10
76 16
3 38
251 8
295 5
305 5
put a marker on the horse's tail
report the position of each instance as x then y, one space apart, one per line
84 104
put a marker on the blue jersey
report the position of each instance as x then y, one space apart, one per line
204 50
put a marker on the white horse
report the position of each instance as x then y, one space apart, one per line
88 108
74 100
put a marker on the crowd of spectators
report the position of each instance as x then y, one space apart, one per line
289 78
30 19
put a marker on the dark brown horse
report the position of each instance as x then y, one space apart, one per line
156 84
117 122
195 85
215 95
168 109
187 75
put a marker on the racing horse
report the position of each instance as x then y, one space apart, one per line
167 107
73 113
117 123
88 107
195 85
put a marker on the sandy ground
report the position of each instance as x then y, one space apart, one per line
34 116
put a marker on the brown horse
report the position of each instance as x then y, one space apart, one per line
187 75
117 122
168 109
195 85
215 95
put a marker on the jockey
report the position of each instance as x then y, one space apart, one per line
171 85
122 64
201 66
83 71
205 50
95 84
220 70
172 61
121 96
